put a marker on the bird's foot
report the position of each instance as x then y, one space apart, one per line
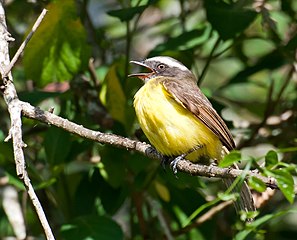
173 163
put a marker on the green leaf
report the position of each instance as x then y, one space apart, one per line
59 48
260 221
112 167
285 183
6 151
271 159
244 216
245 93
112 95
228 19
126 14
271 61
257 184
185 41
92 187
230 159
91 228
14 181
57 145
292 44
45 184
162 191
35 97
228 196
199 210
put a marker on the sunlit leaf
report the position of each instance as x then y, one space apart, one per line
285 182
245 93
244 216
271 60
112 95
58 49
257 184
271 159
259 222
230 159
228 196
162 190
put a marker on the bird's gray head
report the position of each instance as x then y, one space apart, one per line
162 66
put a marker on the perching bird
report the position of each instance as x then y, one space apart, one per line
178 120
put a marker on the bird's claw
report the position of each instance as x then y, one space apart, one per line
173 163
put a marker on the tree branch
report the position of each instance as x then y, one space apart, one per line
15 131
143 148
105 138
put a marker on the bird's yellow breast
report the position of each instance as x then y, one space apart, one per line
171 128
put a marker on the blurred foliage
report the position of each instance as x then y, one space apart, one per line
243 53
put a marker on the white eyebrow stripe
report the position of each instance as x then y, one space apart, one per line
170 62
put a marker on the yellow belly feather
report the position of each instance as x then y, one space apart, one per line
172 129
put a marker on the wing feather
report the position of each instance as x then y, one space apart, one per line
190 97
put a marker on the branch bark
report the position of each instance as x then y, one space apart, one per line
15 132
210 171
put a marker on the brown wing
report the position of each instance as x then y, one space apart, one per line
190 97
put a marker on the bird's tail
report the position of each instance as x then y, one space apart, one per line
245 201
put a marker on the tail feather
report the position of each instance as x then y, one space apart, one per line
245 201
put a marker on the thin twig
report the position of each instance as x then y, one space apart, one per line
92 72
270 107
38 207
268 110
210 57
284 86
164 225
205 217
25 42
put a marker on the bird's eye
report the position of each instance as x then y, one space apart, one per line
161 66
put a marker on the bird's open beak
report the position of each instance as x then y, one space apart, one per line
142 76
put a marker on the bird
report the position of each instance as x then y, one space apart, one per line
179 120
